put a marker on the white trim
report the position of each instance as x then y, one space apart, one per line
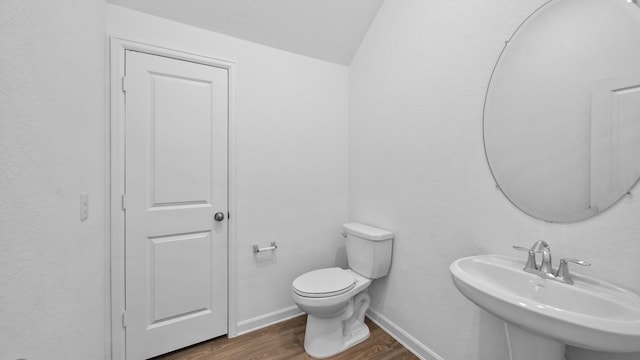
107 201
115 179
269 319
116 186
403 337
231 207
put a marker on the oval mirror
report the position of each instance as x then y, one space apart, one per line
562 111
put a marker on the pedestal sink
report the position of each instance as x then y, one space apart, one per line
542 316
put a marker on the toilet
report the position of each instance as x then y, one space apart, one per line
335 299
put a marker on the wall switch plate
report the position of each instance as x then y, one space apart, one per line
84 206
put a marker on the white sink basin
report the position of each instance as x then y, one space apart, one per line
590 314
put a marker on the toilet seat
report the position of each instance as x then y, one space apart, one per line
324 283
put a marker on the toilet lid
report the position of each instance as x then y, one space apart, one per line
324 283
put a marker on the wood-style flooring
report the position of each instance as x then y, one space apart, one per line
285 341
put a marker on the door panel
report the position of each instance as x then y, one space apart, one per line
174 258
181 154
176 180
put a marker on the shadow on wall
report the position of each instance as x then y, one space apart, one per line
340 259
489 341
264 258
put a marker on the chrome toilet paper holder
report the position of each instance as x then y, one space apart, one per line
257 249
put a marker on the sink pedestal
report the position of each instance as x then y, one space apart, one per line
525 345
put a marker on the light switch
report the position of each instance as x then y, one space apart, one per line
84 206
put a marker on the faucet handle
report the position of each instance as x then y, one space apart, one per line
538 247
575 261
563 273
531 260
520 248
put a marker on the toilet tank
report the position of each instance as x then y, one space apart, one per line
368 249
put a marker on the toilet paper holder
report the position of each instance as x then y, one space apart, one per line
256 249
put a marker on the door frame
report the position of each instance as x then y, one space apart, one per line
115 187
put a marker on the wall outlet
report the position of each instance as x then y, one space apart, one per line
84 206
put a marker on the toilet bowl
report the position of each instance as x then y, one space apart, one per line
335 319
336 299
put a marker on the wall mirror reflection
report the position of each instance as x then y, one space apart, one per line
562 111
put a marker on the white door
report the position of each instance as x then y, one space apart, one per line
176 187
615 139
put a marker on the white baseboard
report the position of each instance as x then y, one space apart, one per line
265 320
403 337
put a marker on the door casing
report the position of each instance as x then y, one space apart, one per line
115 180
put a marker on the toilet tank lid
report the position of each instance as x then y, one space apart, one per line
367 232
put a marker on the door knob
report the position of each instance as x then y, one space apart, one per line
218 216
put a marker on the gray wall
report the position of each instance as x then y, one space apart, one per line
52 148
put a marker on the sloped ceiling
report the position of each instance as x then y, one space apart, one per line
326 29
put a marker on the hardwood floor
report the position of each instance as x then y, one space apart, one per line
285 341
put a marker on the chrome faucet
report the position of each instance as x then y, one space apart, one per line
545 264
545 268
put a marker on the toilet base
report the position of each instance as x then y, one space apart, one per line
356 336
328 337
